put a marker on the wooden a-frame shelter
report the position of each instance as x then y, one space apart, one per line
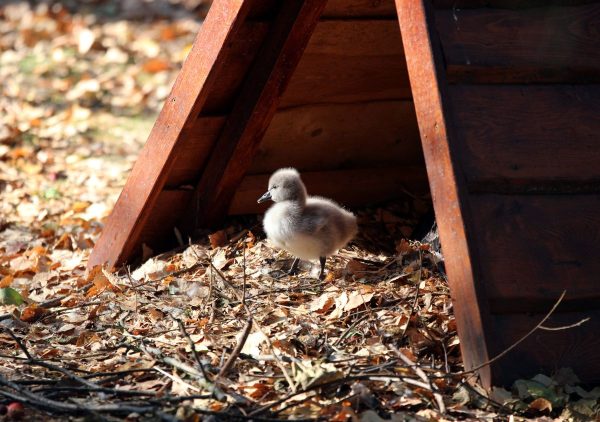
507 98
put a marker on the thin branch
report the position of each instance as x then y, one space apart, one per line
193 347
421 374
238 349
18 341
52 303
359 377
565 327
350 328
27 397
416 298
258 327
48 365
516 343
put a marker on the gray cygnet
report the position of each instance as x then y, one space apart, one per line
308 227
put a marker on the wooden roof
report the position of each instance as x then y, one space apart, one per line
507 100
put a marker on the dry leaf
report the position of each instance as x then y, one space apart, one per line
356 299
156 65
32 313
354 266
323 303
403 246
101 284
6 281
218 239
253 342
541 405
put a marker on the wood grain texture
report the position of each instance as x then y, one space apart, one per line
425 65
360 9
253 110
195 150
525 133
534 247
350 61
158 233
335 136
539 45
239 52
120 237
355 187
548 351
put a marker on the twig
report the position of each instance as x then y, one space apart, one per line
416 298
47 365
18 341
193 347
516 343
421 374
259 328
178 380
350 328
116 392
43 403
359 377
48 304
236 352
565 327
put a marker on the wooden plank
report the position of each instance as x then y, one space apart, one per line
539 45
350 61
240 52
159 232
187 166
425 65
360 8
356 187
547 351
120 237
356 38
528 132
253 110
333 136
537 246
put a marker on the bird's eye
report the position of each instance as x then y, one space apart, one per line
274 187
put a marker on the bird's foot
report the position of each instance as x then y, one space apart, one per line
322 260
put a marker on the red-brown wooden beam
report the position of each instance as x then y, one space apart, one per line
122 230
447 184
253 110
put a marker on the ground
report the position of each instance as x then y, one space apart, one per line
216 329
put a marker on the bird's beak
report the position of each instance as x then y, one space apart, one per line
265 197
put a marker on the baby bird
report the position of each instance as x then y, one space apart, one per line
308 227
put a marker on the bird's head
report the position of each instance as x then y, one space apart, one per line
285 185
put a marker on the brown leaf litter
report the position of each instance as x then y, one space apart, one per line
216 331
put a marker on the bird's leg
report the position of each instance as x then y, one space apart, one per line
322 260
294 268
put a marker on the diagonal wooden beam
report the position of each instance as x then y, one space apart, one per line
197 78
427 78
253 110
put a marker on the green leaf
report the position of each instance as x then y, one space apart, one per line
51 193
9 296
527 389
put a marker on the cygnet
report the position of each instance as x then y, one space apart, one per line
308 227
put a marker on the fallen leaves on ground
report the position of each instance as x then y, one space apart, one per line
81 87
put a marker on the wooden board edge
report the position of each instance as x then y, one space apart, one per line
120 235
427 79
253 111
